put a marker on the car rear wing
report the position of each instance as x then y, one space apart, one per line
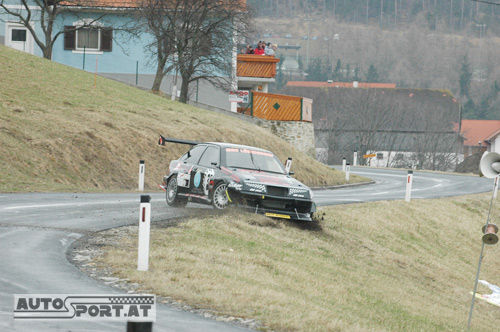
163 140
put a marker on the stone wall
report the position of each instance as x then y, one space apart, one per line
298 133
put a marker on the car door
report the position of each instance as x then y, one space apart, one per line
188 162
205 170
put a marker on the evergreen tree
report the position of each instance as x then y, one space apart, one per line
372 74
469 110
281 80
337 72
357 71
316 71
465 78
347 76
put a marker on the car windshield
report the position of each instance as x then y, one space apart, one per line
253 159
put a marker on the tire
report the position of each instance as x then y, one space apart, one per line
173 199
219 196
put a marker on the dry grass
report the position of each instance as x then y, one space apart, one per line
58 132
384 266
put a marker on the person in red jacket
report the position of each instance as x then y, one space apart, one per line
259 50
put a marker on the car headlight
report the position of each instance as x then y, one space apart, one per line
311 194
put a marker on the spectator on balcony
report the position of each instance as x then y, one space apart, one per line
248 50
260 48
270 49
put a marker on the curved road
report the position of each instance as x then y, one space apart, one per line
36 230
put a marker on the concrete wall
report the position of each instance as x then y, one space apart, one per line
495 145
204 93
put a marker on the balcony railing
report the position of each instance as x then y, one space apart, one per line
250 65
272 106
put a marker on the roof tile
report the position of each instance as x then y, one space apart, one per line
476 131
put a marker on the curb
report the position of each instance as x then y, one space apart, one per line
340 186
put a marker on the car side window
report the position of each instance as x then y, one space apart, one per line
210 156
194 154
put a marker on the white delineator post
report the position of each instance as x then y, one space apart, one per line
495 191
144 227
343 164
347 172
141 175
409 182
355 159
288 165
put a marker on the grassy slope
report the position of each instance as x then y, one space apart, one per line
58 132
384 266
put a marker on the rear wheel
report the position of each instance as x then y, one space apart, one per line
173 198
219 197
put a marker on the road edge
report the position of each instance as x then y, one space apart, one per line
126 286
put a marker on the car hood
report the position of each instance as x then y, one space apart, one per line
271 179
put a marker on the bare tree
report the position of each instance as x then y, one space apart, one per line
47 12
195 37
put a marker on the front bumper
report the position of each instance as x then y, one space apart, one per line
273 206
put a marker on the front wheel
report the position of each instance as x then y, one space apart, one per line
219 197
173 198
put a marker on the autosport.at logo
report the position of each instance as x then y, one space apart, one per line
141 308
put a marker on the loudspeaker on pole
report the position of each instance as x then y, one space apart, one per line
489 166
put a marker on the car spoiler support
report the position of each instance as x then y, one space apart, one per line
163 140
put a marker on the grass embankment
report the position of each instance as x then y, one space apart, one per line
384 266
58 132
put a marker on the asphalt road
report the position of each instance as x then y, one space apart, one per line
391 184
37 229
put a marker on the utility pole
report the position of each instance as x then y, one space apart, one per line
482 28
308 20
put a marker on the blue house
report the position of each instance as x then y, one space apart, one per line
101 45
104 40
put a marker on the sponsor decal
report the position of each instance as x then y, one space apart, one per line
128 307
197 179
209 175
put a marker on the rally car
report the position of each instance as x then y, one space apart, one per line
222 174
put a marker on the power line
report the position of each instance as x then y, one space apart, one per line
487 2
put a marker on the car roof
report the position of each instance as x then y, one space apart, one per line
239 146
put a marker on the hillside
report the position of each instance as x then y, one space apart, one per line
381 266
59 132
410 56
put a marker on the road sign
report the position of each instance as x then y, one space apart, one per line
371 155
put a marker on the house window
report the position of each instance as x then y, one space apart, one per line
19 35
88 38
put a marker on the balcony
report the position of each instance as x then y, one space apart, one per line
257 66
